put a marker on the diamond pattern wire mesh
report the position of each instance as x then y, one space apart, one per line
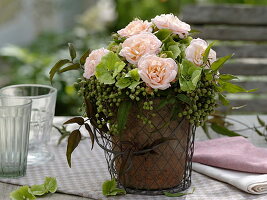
151 158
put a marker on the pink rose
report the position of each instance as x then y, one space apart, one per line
134 47
157 72
135 27
172 23
92 61
194 52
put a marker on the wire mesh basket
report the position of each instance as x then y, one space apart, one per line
150 158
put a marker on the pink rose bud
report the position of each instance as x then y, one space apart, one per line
135 27
173 23
92 61
194 52
157 72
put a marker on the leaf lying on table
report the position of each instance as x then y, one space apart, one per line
109 188
22 193
30 193
50 184
179 194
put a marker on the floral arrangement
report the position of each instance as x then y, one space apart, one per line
144 62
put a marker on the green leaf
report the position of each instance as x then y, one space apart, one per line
133 84
195 77
108 68
109 188
133 74
122 115
70 67
163 34
92 136
72 51
84 56
190 75
38 190
219 63
130 80
223 130
26 193
209 76
50 184
56 67
167 54
259 132
23 193
227 77
123 82
206 53
117 191
261 122
224 101
77 120
184 99
175 49
232 88
185 85
179 194
73 141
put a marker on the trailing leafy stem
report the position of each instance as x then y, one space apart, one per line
75 136
221 123
71 63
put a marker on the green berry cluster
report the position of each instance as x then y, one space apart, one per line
203 103
107 98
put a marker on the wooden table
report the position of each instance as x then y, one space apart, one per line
5 189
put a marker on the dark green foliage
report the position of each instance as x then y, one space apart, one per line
223 130
73 141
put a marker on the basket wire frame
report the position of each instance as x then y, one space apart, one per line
133 165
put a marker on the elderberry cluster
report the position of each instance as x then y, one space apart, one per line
107 98
203 103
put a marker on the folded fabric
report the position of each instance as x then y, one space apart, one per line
248 182
235 153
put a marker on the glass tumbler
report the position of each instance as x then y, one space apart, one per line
43 109
15 115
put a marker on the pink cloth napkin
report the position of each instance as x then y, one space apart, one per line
235 153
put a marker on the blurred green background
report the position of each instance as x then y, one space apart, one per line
30 62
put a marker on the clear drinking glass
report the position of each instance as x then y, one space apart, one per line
43 109
15 115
